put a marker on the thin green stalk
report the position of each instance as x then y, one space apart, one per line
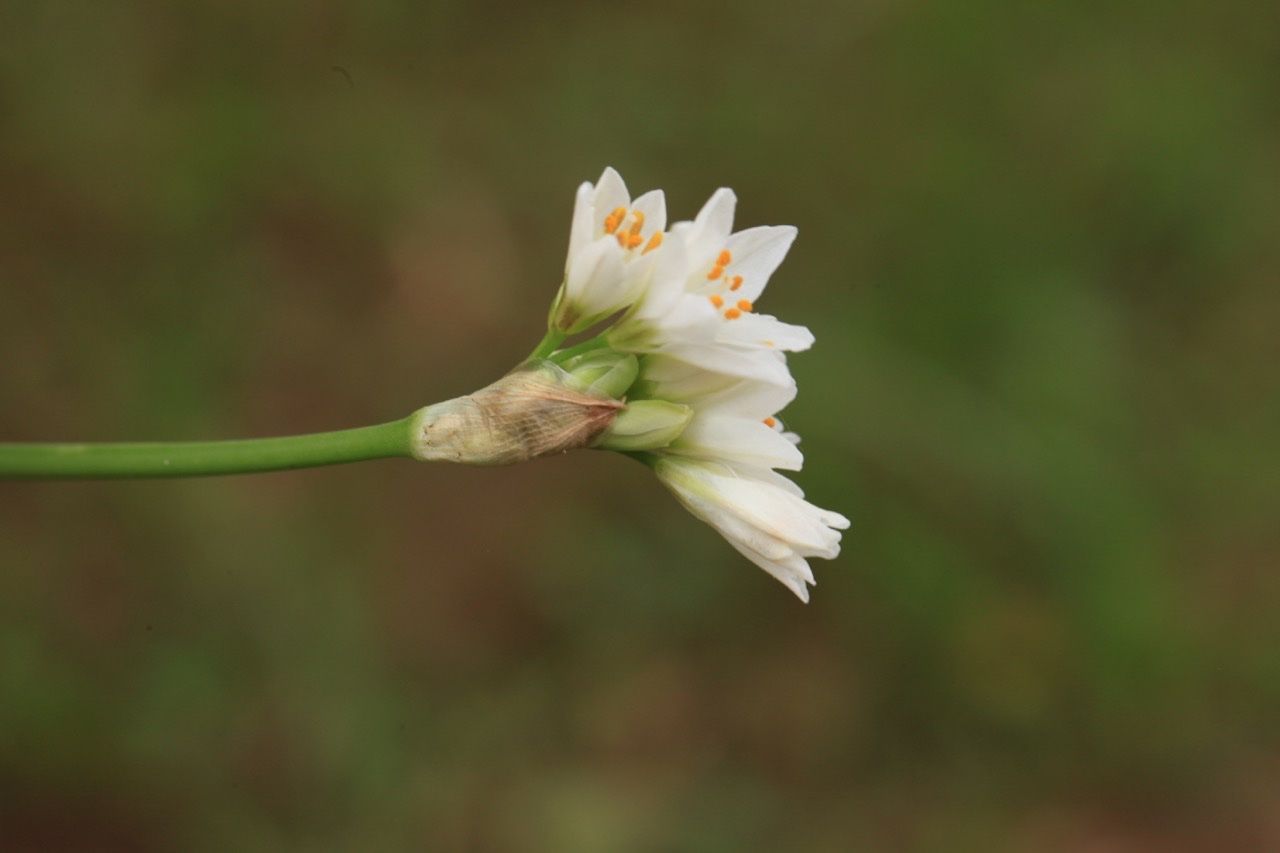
578 349
205 458
548 345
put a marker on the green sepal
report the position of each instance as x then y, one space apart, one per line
603 372
646 425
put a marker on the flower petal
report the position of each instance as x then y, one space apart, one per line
707 234
762 330
770 525
757 252
737 439
611 194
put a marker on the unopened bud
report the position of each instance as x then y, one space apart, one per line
646 425
604 372
536 410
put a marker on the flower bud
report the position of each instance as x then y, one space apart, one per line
604 372
646 425
536 410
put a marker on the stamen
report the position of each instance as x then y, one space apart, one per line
744 304
725 258
634 240
737 282
654 242
638 223
717 300
715 273
732 314
770 423
621 237
613 220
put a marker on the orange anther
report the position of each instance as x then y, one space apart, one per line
717 300
737 282
633 240
732 314
725 258
638 223
621 237
770 423
613 220
654 242
744 304
715 273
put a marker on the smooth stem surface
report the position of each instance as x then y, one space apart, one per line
549 343
204 458
567 353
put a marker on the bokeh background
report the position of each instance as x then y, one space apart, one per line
1038 247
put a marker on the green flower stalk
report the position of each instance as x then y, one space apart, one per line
204 458
686 377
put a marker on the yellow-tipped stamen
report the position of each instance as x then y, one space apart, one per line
613 220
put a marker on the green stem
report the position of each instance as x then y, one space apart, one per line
548 345
578 349
203 458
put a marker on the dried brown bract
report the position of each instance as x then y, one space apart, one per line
536 410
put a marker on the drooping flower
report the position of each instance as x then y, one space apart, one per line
761 513
612 243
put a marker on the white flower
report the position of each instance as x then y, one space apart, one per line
611 252
761 513
700 304
716 368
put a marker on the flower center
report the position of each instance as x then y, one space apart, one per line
726 284
629 236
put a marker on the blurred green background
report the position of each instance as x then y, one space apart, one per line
1038 247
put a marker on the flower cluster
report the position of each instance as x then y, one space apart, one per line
703 407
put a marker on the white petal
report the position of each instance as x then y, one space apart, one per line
757 330
738 439
710 230
682 382
580 228
653 205
759 364
611 193
770 478
757 252
595 280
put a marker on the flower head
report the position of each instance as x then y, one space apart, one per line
711 372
